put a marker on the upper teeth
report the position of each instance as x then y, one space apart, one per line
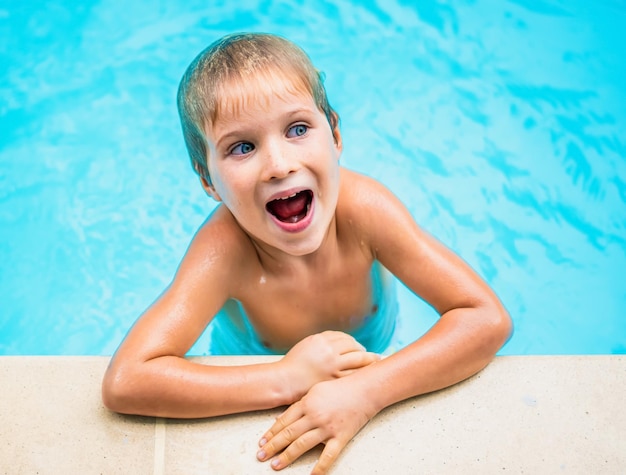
288 197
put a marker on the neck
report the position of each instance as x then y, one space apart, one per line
274 260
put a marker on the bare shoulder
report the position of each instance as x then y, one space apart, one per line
385 225
419 260
372 207
220 233
362 192
202 284
219 248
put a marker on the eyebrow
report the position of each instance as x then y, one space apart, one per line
238 131
225 139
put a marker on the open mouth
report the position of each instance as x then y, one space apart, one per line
291 209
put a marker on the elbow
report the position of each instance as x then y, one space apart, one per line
499 326
504 325
117 395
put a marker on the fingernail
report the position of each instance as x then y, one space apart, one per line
275 463
260 454
263 441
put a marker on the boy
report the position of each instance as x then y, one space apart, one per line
295 256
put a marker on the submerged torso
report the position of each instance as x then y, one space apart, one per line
362 305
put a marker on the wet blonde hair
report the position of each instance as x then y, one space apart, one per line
219 79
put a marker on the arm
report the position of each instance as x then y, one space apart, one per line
473 326
149 375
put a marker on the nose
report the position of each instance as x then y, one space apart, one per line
279 162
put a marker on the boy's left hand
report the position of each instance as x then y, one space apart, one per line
332 412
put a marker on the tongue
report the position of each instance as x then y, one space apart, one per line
290 210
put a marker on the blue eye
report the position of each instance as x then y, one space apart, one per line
297 130
242 148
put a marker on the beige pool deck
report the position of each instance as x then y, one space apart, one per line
522 414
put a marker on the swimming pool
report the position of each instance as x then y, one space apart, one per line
501 124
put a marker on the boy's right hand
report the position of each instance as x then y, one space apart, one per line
321 357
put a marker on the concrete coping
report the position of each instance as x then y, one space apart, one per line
522 414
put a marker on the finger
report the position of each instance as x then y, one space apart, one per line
338 336
289 416
345 343
357 359
329 455
284 438
297 448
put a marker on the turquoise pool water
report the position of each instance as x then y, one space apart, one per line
501 124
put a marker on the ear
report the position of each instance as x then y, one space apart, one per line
337 133
210 189
337 138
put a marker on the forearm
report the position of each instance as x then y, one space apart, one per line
461 343
170 386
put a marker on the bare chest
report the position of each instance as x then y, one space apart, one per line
284 311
